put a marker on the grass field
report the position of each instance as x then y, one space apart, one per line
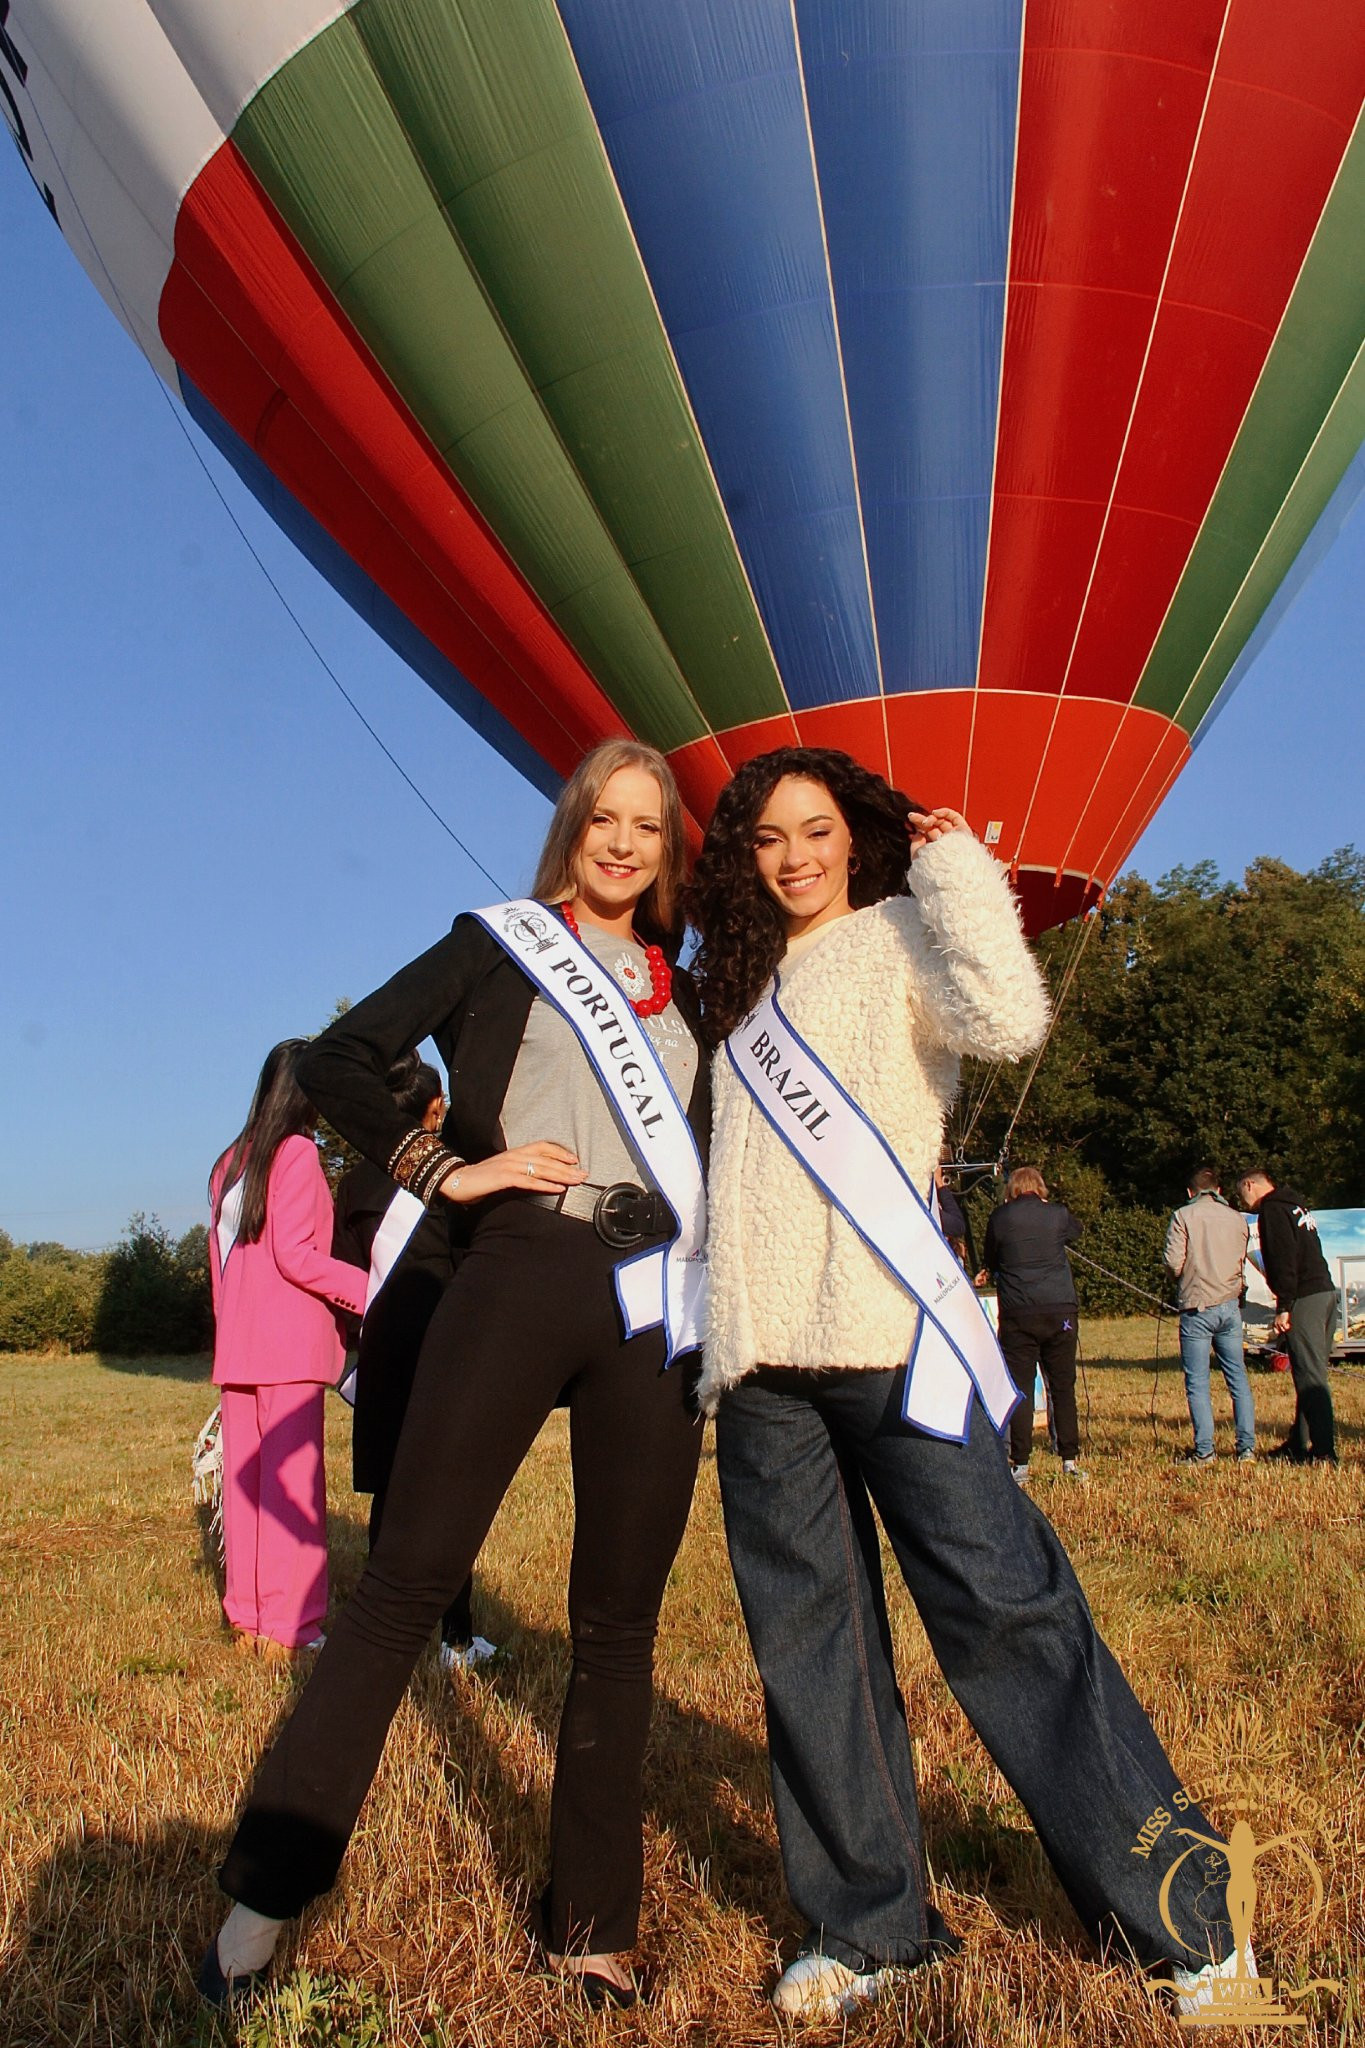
130 1729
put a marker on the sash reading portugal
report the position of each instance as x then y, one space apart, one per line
666 1284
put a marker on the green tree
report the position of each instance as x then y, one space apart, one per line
48 1304
1199 1021
336 1154
155 1295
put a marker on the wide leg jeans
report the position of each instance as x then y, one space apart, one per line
801 1455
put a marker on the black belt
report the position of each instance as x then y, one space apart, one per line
622 1215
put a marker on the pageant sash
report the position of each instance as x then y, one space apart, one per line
668 1283
229 1220
955 1348
399 1220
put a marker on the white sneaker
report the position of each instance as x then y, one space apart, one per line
817 1987
1194 1989
1073 1470
464 1656
1019 1474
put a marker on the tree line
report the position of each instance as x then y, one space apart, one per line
1198 1022
148 1296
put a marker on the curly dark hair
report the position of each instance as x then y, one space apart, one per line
743 932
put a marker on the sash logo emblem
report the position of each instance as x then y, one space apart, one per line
529 930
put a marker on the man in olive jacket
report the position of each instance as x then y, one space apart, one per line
1306 1312
1206 1246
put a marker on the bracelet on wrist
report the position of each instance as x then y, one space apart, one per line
420 1162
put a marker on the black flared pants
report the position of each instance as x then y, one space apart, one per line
530 1315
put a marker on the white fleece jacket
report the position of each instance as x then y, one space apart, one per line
891 998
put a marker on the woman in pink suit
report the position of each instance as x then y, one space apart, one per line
275 1286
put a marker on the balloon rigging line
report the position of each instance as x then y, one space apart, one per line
979 1101
321 658
247 542
987 1088
1087 926
1166 1307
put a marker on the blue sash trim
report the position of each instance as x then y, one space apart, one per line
632 1328
838 1090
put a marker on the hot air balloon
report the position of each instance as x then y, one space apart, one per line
967 383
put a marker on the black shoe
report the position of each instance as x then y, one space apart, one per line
1193 1457
225 1993
602 1993
1289 1453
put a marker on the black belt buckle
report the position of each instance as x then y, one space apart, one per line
625 1216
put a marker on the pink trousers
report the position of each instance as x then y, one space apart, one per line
274 1511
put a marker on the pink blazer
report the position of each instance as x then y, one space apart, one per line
273 1300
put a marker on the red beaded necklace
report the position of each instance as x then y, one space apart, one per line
660 973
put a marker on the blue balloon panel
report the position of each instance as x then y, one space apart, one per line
913 107
701 111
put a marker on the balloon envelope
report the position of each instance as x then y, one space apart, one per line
964 384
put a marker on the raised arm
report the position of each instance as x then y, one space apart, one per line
976 986
343 1072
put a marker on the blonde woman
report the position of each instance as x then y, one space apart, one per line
568 1035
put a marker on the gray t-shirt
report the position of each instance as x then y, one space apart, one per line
554 1092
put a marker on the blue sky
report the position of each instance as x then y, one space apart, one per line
203 848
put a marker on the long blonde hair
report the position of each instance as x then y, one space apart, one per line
660 908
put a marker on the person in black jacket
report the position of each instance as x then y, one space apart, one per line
542 1187
1305 1312
409 1287
1025 1252
952 1219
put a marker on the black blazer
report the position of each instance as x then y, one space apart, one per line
394 1328
468 994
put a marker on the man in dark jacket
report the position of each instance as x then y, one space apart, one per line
1306 1311
1025 1250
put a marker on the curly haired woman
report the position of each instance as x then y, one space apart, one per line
849 1366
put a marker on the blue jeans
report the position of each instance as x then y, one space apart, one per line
1220 1327
799 1454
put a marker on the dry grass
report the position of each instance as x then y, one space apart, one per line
130 1730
